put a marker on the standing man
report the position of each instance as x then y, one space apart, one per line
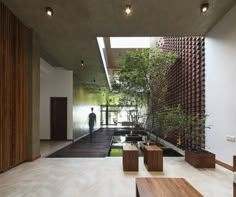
92 121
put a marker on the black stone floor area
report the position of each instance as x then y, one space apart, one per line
97 145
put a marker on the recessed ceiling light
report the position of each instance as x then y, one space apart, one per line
128 9
82 62
204 7
49 11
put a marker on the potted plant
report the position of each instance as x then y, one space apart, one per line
195 153
174 119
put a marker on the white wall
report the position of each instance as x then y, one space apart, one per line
54 82
221 87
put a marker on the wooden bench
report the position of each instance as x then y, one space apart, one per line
234 170
130 158
153 158
165 187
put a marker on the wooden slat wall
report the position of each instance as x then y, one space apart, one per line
14 90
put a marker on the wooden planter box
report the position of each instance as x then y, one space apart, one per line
200 159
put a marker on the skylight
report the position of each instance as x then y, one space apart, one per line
103 55
130 42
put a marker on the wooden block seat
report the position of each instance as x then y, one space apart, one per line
130 158
153 158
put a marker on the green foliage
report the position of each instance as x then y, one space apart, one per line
170 119
142 68
143 77
174 119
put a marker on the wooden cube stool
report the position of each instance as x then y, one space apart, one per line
130 158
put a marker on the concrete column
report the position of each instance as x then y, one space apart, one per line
34 98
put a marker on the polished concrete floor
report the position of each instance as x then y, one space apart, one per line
103 177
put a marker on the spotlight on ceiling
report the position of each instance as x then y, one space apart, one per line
49 11
82 62
128 9
204 7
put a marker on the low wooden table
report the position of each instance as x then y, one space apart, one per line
130 158
165 187
153 158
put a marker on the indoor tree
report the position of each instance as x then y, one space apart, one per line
143 79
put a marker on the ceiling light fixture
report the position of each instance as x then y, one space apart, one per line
204 7
128 9
49 11
82 62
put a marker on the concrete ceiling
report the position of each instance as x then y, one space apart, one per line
115 57
70 35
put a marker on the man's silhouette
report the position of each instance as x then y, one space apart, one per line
92 121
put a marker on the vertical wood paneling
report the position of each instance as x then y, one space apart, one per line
1 89
14 68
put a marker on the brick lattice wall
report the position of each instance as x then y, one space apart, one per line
187 84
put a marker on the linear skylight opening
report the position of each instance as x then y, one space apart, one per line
101 46
130 42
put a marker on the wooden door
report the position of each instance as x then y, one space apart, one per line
58 118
